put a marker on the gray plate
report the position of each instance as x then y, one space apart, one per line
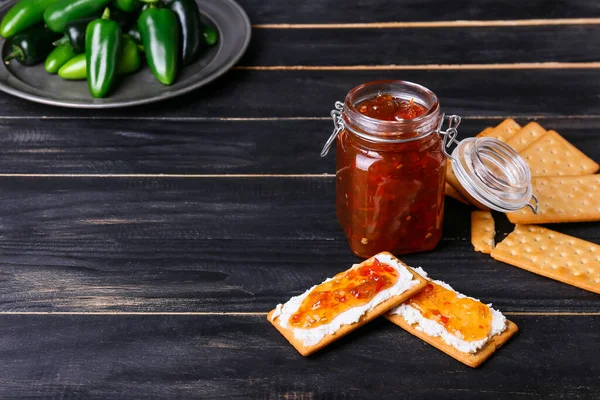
35 84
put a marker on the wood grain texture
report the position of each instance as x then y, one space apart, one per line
242 93
89 244
480 45
324 11
115 245
37 146
244 357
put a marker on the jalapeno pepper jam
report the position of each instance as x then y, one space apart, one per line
344 291
389 108
390 196
463 317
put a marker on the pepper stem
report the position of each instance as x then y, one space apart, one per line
106 13
61 41
16 52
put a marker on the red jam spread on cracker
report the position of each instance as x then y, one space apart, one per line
390 195
386 107
344 291
464 317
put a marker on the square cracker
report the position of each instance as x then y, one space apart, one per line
473 360
562 199
482 231
451 192
526 136
554 255
552 155
452 180
503 131
375 312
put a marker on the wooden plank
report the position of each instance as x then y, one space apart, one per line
159 147
214 357
487 45
201 147
235 244
324 11
313 93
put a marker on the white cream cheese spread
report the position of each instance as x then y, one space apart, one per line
433 328
310 337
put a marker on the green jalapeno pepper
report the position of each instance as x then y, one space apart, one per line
102 47
59 57
22 15
75 31
74 69
211 35
31 46
125 19
75 34
127 5
160 36
59 14
130 59
191 42
129 62
134 33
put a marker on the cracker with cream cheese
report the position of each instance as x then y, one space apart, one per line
307 333
434 331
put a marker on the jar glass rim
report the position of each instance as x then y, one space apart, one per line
432 110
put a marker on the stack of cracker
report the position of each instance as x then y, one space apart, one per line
564 181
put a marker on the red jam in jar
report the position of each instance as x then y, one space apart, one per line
389 108
390 169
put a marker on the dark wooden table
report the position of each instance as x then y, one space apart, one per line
141 248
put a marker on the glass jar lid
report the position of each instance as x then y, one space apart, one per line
493 173
489 170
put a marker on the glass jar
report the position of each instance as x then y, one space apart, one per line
391 174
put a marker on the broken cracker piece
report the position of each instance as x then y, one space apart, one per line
482 231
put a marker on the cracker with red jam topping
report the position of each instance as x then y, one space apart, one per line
339 305
460 326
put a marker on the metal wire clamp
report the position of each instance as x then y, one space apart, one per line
338 126
449 134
